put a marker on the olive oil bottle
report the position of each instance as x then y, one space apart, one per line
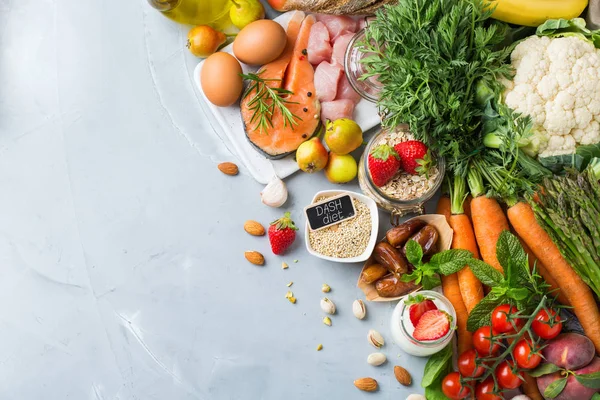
196 12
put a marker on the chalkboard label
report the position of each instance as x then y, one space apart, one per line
330 211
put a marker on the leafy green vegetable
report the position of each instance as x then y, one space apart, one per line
446 262
544 369
555 388
589 380
579 160
596 396
569 27
436 366
429 56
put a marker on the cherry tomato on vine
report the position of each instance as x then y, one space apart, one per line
501 322
467 366
524 355
484 391
482 343
452 387
506 378
547 325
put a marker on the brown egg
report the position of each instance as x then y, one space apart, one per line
260 42
220 79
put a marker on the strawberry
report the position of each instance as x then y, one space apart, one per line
383 164
282 234
415 156
433 325
419 305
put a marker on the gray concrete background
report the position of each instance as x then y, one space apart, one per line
122 273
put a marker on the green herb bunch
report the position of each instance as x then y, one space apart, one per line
429 55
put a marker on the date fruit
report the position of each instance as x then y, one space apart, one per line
427 237
390 258
400 234
391 286
373 272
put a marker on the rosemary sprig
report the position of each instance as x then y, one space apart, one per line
265 100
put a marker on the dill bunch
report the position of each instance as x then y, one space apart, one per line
430 55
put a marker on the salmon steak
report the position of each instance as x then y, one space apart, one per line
292 72
337 7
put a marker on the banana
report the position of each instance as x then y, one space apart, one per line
535 12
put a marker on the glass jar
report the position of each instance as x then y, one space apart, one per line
368 88
398 207
402 327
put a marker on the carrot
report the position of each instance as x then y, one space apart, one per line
543 271
488 222
452 292
464 238
443 207
467 206
530 388
575 290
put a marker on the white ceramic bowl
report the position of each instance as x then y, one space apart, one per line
374 228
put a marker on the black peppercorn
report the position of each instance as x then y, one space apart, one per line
305 109
304 52
309 94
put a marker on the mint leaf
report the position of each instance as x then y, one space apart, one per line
481 314
513 258
414 252
555 388
591 381
451 261
430 282
485 273
415 276
518 294
544 369
436 364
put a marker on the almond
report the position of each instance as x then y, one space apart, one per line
254 228
228 168
255 257
366 384
402 375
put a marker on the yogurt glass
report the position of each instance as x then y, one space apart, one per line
402 327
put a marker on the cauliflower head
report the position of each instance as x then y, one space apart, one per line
557 83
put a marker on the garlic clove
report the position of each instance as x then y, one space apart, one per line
359 309
275 194
327 306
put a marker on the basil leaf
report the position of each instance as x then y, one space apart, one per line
436 364
518 294
485 273
555 388
481 314
544 369
591 381
414 252
434 392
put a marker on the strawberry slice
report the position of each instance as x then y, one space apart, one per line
419 305
432 325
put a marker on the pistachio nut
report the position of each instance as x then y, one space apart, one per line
327 306
375 338
325 288
359 309
376 359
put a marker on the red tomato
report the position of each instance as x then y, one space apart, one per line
507 379
484 391
467 364
482 343
501 321
452 387
544 327
524 356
